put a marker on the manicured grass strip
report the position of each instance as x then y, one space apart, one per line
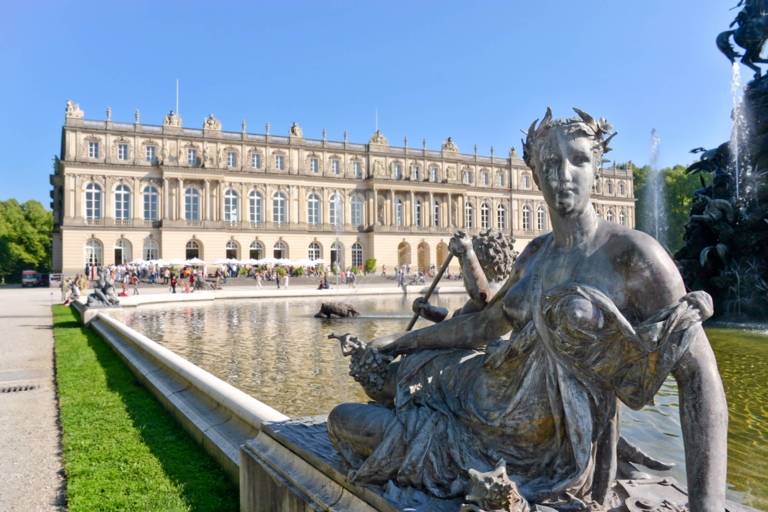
121 449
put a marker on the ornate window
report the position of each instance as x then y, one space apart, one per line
357 168
192 250
485 179
255 208
357 211
465 179
93 149
485 218
416 173
609 215
231 158
525 181
436 213
280 250
500 180
94 252
541 218
622 217
313 209
256 250
256 161
278 208
92 203
122 203
151 249
526 220
397 171
335 211
335 166
151 201
280 162
417 213
191 157
501 218
399 212
314 165
231 206
357 255
150 153
610 187
469 215
122 151
232 250
433 174
192 205
622 188
313 252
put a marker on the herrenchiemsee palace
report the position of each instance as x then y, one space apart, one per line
123 191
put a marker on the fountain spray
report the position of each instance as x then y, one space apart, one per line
656 209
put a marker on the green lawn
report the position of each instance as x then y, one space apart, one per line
121 449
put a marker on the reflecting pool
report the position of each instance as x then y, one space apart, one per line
277 352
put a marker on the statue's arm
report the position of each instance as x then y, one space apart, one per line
465 331
704 420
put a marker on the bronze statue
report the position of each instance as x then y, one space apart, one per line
751 34
103 295
339 309
598 314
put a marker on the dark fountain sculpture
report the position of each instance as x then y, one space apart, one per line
338 309
512 404
726 238
103 295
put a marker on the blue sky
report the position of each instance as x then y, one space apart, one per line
478 71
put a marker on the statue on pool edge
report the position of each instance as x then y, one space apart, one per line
523 394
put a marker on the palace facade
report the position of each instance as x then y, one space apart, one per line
124 191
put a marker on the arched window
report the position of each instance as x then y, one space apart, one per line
255 208
417 213
280 250
622 217
399 212
313 209
192 250
335 210
622 189
278 208
231 206
151 249
501 218
122 251
357 255
485 217
526 218
416 173
397 171
313 252
433 174
357 211
122 204
94 252
151 204
256 250
541 222
436 213
92 203
599 212
192 205
232 250
469 215
609 215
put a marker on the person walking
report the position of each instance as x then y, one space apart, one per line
172 280
135 284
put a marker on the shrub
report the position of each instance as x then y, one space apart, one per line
370 265
280 271
298 271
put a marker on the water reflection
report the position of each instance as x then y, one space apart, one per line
276 351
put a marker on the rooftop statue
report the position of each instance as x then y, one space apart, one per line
172 119
296 130
449 145
72 110
378 138
515 403
750 34
211 123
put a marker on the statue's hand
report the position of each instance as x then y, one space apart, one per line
459 244
420 305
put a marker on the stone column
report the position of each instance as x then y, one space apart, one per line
392 207
450 223
243 206
431 211
267 206
180 201
207 200
108 212
411 209
375 213
137 214
71 189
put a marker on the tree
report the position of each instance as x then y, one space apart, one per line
25 238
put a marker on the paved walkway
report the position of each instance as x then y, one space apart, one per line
30 467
